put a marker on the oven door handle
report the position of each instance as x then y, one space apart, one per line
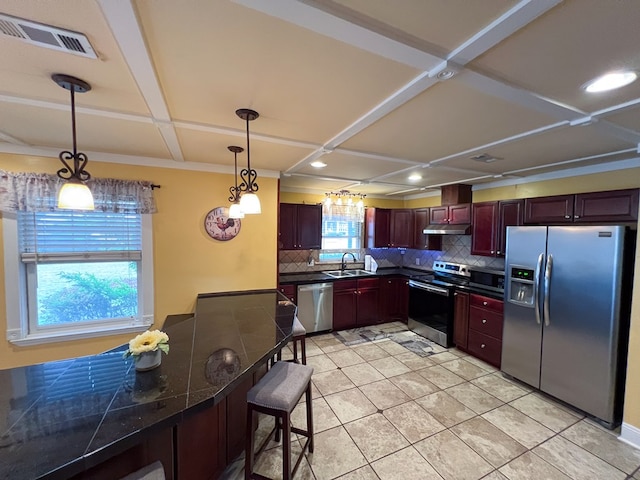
429 288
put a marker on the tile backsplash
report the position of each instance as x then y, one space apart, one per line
455 248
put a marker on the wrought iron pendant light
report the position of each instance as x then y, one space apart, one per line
74 194
249 201
235 211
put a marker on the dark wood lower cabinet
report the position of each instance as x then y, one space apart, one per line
394 299
355 303
159 446
210 440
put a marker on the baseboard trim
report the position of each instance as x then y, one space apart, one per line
630 434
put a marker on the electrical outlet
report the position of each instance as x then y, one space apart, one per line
417 261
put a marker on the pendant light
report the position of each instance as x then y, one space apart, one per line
74 194
235 211
249 201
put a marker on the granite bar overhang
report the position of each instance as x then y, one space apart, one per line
61 418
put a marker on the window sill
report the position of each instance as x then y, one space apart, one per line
55 337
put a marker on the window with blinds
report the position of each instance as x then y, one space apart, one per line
340 236
81 267
45 236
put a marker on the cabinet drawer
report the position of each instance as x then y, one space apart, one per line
485 347
345 285
486 302
368 282
486 321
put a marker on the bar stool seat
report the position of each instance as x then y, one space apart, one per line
277 394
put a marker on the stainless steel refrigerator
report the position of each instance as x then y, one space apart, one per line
566 313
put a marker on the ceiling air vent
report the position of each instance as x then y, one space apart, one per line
485 158
46 36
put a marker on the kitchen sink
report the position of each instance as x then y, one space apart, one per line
347 273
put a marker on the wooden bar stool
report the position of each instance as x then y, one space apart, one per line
298 337
277 394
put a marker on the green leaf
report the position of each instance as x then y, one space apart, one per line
164 347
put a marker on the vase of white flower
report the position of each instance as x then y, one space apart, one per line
148 360
147 348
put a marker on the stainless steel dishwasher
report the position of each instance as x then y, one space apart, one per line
315 306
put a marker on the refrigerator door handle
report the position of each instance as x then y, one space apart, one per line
536 287
547 289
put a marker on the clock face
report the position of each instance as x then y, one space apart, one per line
219 226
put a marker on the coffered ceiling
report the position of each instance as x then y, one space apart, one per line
377 90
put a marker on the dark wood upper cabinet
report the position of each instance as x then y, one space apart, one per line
439 215
489 226
300 226
420 240
386 227
401 231
610 206
377 227
615 206
510 214
450 214
556 209
483 230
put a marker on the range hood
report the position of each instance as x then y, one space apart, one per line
447 230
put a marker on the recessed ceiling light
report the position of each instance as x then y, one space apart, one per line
445 74
318 164
414 177
610 81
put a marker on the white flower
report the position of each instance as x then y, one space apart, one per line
148 341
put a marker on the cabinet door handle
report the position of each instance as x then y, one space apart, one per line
492 252
498 252
485 303
576 216
484 320
482 346
389 281
567 216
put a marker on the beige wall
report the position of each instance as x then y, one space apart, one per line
186 260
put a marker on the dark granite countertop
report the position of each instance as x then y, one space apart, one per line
61 418
314 277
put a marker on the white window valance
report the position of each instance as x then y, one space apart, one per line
38 192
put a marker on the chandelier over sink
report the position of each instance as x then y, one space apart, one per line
344 205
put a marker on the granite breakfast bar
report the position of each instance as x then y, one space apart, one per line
95 417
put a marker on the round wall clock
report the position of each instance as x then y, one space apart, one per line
219 226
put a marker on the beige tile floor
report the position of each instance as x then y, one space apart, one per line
384 412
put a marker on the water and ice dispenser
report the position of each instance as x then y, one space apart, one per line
521 286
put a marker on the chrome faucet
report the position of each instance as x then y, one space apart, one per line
343 264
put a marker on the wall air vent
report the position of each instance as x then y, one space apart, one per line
485 158
46 36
